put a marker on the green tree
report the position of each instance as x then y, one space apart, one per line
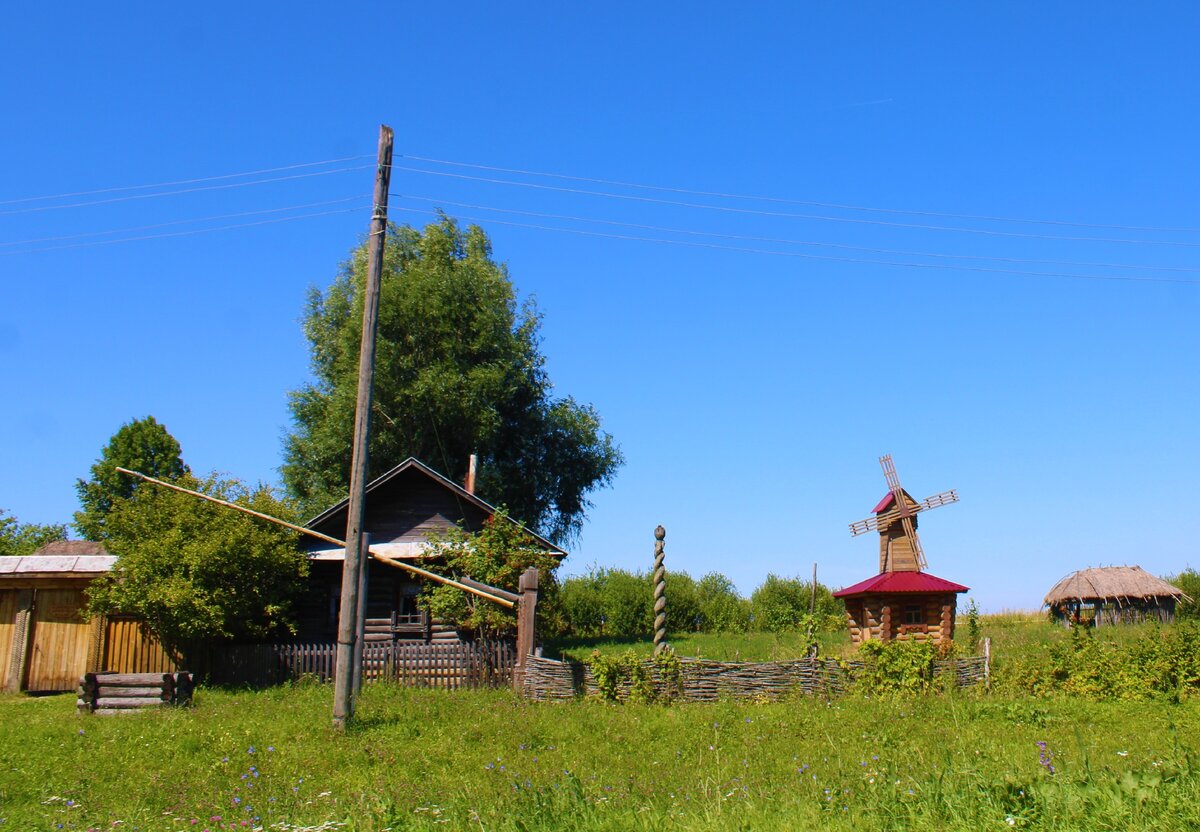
18 538
496 555
142 445
458 371
195 570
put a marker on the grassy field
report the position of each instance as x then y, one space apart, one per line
490 761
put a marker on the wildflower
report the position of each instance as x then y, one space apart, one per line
270 748
250 750
1119 753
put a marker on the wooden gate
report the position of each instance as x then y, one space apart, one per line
60 642
128 648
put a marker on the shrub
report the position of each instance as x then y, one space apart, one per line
722 610
1189 581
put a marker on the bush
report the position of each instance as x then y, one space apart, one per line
781 604
722 610
1189 581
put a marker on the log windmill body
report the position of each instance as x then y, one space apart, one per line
903 600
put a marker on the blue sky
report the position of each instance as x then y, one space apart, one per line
751 392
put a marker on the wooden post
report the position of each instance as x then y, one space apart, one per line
987 663
361 615
812 602
660 590
526 624
348 626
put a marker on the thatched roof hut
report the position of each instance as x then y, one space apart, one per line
1113 594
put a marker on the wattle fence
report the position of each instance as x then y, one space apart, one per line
701 680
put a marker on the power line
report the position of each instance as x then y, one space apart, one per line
180 222
790 215
824 257
785 241
183 181
188 233
813 203
186 191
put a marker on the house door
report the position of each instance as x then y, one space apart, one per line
61 637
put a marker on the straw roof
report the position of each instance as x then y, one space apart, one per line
1111 583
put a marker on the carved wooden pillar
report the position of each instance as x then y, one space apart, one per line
660 590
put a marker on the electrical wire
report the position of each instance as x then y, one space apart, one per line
813 203
784 241
185 191
183 181
187 233
823 257
790 215
130 229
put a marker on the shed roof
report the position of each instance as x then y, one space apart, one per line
886 583
30 565
1111 583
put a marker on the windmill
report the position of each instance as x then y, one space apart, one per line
896 520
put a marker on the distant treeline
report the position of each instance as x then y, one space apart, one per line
619 603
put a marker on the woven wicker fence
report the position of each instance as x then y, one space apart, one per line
701 680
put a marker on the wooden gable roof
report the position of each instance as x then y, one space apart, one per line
408 502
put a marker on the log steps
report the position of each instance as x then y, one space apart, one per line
120 693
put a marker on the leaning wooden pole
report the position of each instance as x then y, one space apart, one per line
660 592
348 626
491 593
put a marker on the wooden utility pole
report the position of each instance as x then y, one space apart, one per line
360 615
349 610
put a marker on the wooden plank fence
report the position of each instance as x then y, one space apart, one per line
416 664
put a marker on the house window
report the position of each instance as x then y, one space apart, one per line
913 614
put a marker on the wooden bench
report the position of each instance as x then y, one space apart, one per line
117 693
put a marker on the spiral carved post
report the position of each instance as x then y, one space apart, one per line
660 589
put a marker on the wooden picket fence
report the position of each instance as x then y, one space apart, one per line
479 664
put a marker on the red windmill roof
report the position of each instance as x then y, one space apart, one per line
901 582
888 499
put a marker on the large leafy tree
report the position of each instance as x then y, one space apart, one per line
497 554
17 538
142 445
195 570
458 371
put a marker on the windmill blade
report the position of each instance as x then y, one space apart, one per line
888 517
863 526
889 474
911 531
938 500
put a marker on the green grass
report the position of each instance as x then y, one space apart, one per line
491 761
488 760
